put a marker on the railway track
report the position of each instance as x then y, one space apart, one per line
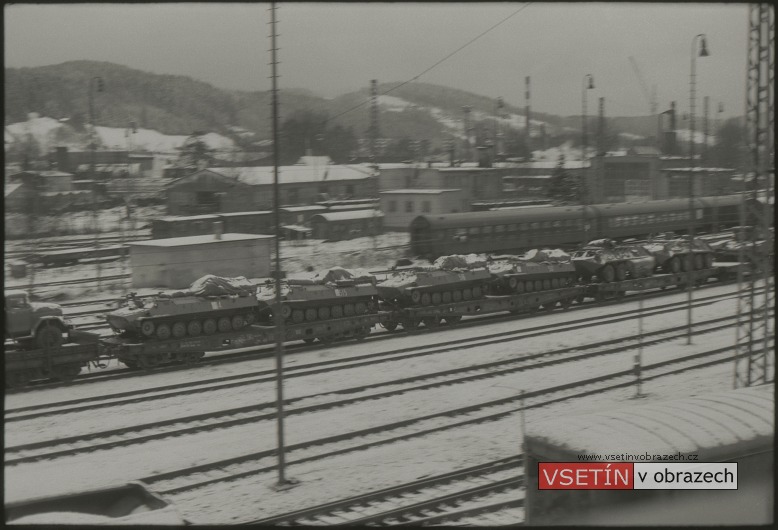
184 480
301 348
256 413
336 364
450 495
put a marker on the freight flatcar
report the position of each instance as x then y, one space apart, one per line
513 230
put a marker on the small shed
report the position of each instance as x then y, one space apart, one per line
337 226
174 263
731 426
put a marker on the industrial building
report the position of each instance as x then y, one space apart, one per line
175 263
44 192
337 226
401 206
240 189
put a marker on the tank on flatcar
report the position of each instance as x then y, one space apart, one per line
333 293
537 270
603 259
212 304
674 254
449 279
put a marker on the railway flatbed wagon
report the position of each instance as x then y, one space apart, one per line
151 353
62 363
431 316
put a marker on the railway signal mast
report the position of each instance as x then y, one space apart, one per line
754 355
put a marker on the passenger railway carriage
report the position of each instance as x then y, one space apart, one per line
512 230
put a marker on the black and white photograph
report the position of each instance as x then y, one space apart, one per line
455 264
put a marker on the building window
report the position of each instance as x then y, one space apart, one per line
409 206
349 189
426 206
392 206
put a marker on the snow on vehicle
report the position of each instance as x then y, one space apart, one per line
676 254
330 294
449 279
607 261
537 270
210 305
33 324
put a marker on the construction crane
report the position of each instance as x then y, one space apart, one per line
650 95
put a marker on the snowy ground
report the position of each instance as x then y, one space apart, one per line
353 473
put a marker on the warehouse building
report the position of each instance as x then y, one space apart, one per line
337 226
175 263
401 206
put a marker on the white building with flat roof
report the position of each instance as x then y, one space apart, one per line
401 206
176 262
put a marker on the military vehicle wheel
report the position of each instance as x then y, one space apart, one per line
286 311
48 336
477 292
520 287
209 326
607 273
426 299
194 328
237 322
546 285
336 311
621 272
147 328
163 332
467 294
436 298
431 322
390 326
454 319
555 283
311 314
446 297
149 361
324 313
132 365
512 283
224 325
549 306
179 330
411 323
371 306
192 357
415 297
298 316
674 265
687 263
456 296
529 286
249 318
699 262
360 308
708 261
348 310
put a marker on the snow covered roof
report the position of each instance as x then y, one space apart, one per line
197 240
716 426
699 169
263 175
348 216
295 209
425 191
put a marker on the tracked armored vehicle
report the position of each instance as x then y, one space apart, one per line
537 270
449 279
211 305
333 293
605 260
676 254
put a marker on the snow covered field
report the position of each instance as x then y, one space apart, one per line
356 472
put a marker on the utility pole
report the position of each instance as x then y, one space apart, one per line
527 128
277 273
373 120
466 110
95 189
754 354
705 116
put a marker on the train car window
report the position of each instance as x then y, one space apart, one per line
486 231
546 224
513 227
473 231
556 224
534 225
699 214
461 232
499 228
525 226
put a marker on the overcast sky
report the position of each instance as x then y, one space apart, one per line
333 48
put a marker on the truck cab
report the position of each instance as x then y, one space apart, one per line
35 324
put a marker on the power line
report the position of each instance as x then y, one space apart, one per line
414 78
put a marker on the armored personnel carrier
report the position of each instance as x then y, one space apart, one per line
210 305
333 293
537 270
449 279
605 260
676 254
